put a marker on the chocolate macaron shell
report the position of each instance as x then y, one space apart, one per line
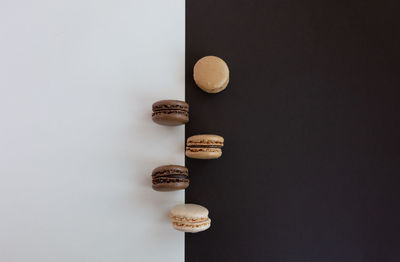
170 169
171 104
170 112
170 187
173 119
170 178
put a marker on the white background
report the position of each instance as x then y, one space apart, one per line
77 144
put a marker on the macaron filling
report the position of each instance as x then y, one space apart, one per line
167 177
169 107
169 172
169 111
170 179
171 176
205 146
196 225
191 220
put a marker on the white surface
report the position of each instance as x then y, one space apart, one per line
77 144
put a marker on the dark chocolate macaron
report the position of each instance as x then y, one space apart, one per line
170 178
170 112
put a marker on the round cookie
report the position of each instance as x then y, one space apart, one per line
170 112
211 74
204 146
170 178
190 218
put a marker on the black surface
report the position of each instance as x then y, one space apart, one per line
311 119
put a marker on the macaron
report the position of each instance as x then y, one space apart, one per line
170 112
204 146
211 74
170 178
190 218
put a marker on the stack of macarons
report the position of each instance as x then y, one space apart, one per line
211 74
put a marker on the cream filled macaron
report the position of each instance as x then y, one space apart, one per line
190 218
204 146
211 74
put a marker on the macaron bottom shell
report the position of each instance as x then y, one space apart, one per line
192 227
170 119
204 153
170 186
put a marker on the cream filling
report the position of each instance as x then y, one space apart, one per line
205 143
199 149
196 225
190 220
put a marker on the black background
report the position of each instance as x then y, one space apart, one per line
311 119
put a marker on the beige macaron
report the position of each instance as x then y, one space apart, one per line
204 146
190 218
211 74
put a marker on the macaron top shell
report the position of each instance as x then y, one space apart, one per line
170 105
205 140
189 212
162 170
211 74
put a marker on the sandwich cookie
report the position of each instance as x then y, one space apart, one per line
190 218
170 112
211 74
170 178
204 146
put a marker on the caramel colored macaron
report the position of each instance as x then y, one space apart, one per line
211 74
204 146
170 178
190 218
170 112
